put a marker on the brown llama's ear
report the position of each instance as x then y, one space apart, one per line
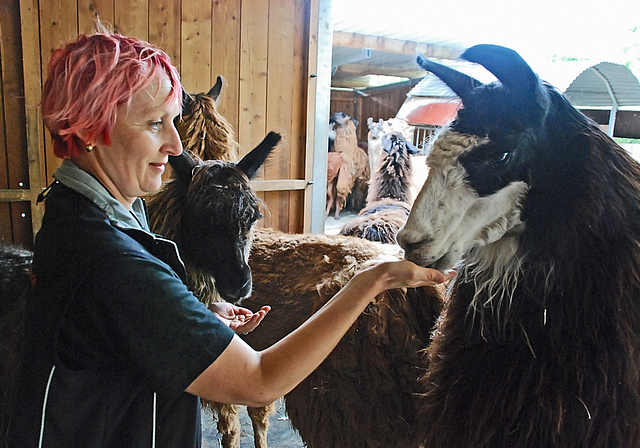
250 163
214 93
183 166
187 101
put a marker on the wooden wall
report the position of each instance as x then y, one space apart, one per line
15 216
261 48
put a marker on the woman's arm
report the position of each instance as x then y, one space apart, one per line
241 375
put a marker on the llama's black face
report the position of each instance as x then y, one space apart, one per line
221 209
479 171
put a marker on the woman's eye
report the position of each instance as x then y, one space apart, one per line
156 125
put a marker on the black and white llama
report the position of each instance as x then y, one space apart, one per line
539 341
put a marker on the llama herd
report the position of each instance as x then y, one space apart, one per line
534 343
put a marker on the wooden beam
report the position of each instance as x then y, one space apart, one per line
354 40
14 195
279 185
368 69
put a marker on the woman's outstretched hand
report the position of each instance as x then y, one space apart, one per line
240 320
406 274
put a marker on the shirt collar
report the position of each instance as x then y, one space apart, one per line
84 183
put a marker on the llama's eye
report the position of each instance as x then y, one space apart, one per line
505 157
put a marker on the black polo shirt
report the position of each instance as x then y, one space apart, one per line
113 336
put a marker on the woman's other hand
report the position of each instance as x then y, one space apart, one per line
240 320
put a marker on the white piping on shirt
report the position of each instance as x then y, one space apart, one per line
44 406
44 410
153 430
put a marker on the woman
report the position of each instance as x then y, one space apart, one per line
118 349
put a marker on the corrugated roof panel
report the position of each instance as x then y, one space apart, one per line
596 85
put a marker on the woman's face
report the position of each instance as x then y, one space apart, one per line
142 140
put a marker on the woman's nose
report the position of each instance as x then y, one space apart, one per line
174 143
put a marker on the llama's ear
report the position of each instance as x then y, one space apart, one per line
514 73
187 101
460 83
411 149
250 163
386 143
214 93
183 166
508 66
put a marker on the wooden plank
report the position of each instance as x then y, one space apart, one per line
22 230
131 18
31 66
354 40
4 156
90 11
281 35
297 133
277 185
196 45
164 27
13 96
58 25
6 231
253 73
225 57
14 195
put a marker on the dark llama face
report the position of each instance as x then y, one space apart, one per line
480 165
220 211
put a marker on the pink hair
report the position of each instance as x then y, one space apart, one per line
89 78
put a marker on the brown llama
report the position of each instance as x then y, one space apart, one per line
539 341
340 181
346 141
209 139
364 393
389 199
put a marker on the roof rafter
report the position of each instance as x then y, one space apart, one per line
354 40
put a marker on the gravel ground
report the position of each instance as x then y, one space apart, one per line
280 435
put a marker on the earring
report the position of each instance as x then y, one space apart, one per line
89 148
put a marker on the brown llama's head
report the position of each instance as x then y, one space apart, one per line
203 130
208 209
